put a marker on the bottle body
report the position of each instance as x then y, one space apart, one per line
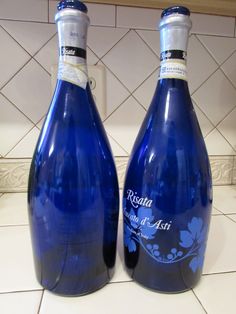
73 195
167 194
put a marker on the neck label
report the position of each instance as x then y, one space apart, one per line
75 74
171 69
73 51
173 54
72 48
173 64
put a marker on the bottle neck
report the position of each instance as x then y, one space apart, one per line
174 32
72 34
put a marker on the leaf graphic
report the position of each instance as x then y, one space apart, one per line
131 246
195 227
194 264
128 241
186 239
202 237
148 231
144 212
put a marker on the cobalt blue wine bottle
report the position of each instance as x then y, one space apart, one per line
168 190
73 195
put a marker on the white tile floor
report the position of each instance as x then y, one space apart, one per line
21 294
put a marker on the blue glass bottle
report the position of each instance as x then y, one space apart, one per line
73 195
168 191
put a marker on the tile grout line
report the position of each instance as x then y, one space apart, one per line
41 66
228 216
199 301
31 55
192 94
220 273
16 73
38 51
100 58
40 303
231 82
212 35
115 76
15 40
206 117
131 93
227 142
48 10
142 106
222 119
115 16
25 21
98 25
235 27
234 170
20 291
148 44
43 118
16 107
116 108
225 75
148 77
228 58
218 66
208 51
14 146
15 192
10 226
120 282
216 128
213 206
118 144
225 215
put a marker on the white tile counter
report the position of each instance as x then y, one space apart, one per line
21 294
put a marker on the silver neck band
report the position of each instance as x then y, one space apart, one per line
174 32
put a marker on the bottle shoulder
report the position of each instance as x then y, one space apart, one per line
170 132
72 126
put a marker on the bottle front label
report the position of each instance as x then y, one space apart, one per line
171 69
143 230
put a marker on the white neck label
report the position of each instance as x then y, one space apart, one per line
173 69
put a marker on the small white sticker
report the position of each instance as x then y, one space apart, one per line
74 73
173 70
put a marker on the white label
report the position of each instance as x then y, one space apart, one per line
73 73
72 44
171 69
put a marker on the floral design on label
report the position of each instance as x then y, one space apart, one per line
141 229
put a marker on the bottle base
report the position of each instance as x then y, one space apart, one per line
77 294
79 289
162 290
158 290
